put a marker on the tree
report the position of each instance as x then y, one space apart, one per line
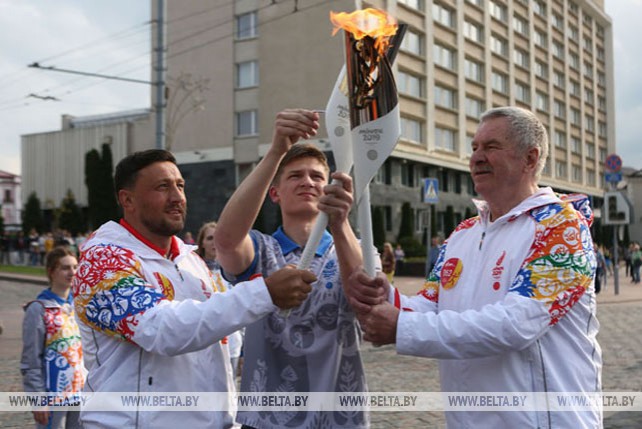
32 216
378 227
70 216
406 229
101 197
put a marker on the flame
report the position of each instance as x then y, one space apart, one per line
366 22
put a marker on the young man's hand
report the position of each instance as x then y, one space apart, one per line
289 287
291 125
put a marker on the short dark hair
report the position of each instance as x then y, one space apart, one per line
128 168
298 151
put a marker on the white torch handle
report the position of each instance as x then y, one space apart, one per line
365 227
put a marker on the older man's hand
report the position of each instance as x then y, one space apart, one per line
380 324
364 292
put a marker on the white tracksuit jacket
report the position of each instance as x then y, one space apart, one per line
510 307
151 324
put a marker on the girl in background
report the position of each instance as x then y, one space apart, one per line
52 353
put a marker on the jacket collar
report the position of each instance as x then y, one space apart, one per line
173 247
287 245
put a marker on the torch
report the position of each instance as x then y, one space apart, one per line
371 43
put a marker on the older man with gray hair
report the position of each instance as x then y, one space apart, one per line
510 303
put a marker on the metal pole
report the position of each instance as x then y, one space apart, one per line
616 277
429 240
161 52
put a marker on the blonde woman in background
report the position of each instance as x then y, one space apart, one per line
388 261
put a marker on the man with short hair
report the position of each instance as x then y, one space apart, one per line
151 316
316 347
510 305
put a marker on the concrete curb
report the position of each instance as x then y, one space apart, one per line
23 278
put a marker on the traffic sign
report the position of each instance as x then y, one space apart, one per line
431 190
613 177
613 163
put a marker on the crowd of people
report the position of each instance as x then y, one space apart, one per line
32 249
508 305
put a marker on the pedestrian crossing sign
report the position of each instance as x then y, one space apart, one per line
431 190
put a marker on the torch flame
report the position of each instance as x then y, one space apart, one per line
366 22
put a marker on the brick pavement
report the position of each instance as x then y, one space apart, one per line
620 317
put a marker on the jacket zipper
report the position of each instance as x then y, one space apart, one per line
481 240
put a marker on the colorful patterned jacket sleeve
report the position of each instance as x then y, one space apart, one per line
561 264
110 291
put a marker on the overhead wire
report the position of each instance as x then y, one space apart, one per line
179 40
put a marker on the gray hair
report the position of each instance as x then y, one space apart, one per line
525 129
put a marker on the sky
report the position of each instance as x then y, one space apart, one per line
112 37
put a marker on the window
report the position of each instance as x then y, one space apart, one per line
477 3
499 82
601 103
588 70
410 84
498 11
572 7
520 25
521 58
473 32
600 53
558 50
541 39
473 70
444 57
559 109
588 96
574 88
601 78
498 45
445 139
7 196
474 107
602 154
408 174
541 70
247 74
590 150
246 25
560 169
587 19
384 174
522 93
415 4
576 145
574 60
577 173
445 97
411 130
443 15
575 117
539 8
388 217
588 44
247 123
590 177
560 139
541 101
589 123
601 128
558 79
557 21
572 33
413 42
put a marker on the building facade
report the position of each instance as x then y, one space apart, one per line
11 202
458 58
